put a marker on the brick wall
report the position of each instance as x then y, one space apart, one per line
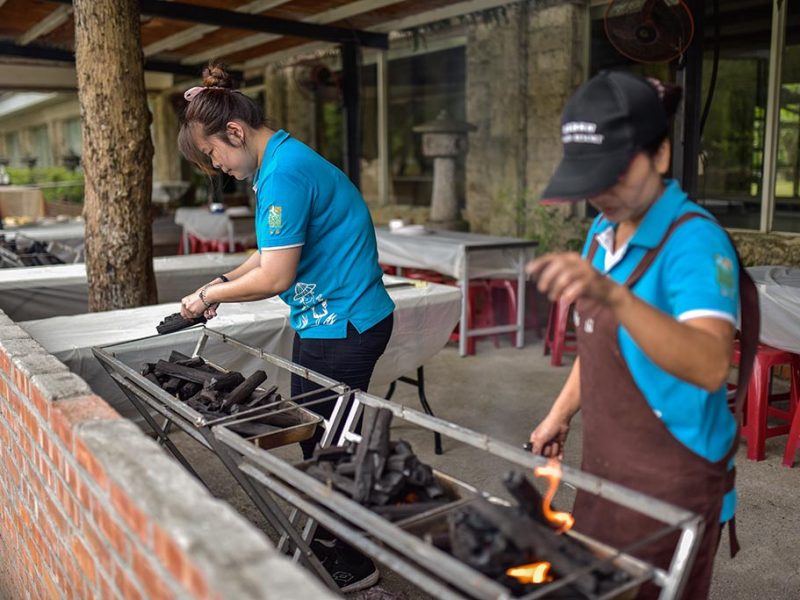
90 507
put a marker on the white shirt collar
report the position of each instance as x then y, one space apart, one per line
605 240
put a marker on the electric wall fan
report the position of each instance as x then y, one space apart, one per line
649 31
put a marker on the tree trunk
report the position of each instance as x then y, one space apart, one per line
117 154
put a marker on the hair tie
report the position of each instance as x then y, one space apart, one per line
192 92
658 86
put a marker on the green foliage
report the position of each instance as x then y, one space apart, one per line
554 227
71 190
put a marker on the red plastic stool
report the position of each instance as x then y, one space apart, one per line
759 398
793 443
479 313
558 338
507 289
388 269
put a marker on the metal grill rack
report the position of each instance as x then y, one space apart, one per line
154 404
399 547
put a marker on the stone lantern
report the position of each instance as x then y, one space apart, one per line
445 139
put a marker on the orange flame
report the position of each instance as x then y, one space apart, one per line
552 471
533 573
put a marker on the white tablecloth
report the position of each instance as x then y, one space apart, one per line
71 233
206 225
43 292
423 321
779 298
443 251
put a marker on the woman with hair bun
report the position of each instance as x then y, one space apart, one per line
316 250
656 293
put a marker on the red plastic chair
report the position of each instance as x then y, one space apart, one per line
506 290
559 338
759 401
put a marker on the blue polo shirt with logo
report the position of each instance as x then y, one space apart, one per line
694 275
303 200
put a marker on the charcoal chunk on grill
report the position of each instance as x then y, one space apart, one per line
175 322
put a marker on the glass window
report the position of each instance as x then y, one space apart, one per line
72 136
729 182
41 147
13 149
787 176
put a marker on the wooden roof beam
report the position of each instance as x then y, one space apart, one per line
58 55
204 15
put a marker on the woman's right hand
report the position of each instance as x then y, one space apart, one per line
549 437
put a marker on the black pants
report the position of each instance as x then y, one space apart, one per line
349 360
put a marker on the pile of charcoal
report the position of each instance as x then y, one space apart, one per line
382 475
25 253
215 393
492 538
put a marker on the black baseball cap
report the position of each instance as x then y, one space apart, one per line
605 123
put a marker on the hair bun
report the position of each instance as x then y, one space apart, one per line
216 75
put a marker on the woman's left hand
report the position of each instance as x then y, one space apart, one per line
567 276
192 306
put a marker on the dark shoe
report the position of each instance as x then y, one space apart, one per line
349 568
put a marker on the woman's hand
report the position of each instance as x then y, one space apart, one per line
192 306
549 437
567 276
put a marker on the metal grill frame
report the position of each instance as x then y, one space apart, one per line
264 476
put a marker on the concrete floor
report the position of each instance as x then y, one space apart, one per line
504 392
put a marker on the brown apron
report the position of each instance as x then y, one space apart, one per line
624 441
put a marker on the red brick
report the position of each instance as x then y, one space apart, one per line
41 403
154 586
49 585
88 461
61 426
170 555
3 387
21 381
130 513
196 583
76 586
53 511
68 503
111 531
13 400
66 414
85 561
107 592
97 547
5 362
126 587
82 491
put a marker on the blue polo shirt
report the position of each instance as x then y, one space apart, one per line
303 200
694 275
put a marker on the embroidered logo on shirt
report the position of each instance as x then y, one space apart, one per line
275 220
305 293
724 274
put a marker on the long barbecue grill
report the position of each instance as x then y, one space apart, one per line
409 544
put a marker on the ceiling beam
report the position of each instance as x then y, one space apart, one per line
415 20
46 25
187 36
339 13
204 15
56 54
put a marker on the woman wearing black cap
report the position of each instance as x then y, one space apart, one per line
657 290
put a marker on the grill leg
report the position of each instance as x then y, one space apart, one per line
419 383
